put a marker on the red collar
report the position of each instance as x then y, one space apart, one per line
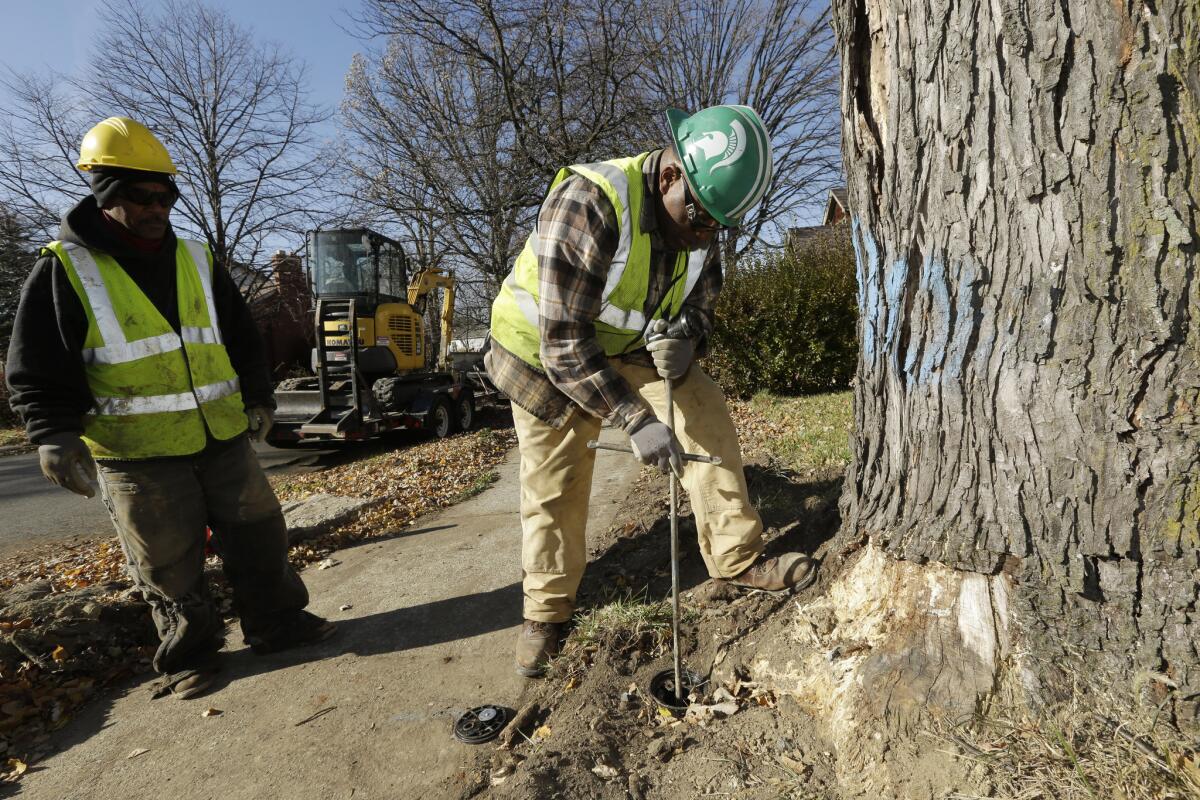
122 233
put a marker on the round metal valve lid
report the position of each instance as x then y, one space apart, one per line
480 724
662 688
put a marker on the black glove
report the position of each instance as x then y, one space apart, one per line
654 444
66 462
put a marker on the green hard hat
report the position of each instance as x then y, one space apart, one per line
726 155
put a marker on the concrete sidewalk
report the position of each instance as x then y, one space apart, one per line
435 613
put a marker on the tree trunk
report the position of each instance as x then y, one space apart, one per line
1024 184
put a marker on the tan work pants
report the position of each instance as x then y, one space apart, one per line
556 482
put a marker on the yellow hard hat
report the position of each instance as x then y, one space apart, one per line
123 142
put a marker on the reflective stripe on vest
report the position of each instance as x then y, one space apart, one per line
157 393
159 404
117 349
622 320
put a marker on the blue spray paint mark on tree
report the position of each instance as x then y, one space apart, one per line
945 299
870 308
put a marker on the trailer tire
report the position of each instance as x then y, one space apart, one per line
392 394
440 418
464 411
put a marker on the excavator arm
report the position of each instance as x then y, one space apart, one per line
422 284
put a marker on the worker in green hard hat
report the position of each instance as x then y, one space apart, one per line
621 248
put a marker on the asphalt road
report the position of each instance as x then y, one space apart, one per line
35 512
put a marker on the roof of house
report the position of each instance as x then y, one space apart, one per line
839 199
797 235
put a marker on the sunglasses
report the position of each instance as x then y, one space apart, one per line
145 197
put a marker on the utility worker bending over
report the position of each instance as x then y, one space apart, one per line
619 245
130 347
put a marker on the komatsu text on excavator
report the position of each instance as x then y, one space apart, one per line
373 366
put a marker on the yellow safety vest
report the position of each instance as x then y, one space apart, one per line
622 323
155 389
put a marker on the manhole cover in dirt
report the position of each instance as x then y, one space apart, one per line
480 724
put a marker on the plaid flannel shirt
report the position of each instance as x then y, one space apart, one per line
577 236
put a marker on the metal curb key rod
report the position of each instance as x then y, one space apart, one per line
620 448
681 327
697 457
674 551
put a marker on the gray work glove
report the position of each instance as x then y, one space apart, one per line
66 462
260 419
654 444
672 357
671 349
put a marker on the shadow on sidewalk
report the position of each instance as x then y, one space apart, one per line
391 631
406 628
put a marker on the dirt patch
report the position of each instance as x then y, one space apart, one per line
592 729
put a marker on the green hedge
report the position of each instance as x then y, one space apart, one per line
786 322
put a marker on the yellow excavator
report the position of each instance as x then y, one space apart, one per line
374 368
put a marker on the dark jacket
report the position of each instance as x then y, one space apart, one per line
45 370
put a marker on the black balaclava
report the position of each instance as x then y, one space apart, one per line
107 181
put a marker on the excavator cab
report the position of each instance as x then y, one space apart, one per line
367 271
359 264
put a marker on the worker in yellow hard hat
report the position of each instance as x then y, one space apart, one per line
134 359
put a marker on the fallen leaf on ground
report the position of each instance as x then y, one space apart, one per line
542 732
327 563
59 653
211 712
141 751
16 766
345 607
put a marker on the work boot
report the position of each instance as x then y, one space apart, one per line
536 645
296 629
190 680
787 572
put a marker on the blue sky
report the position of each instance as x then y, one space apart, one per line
42 34
37 35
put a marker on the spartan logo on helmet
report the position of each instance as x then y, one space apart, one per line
715 144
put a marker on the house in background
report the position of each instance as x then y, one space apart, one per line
836 212
837 207
282 308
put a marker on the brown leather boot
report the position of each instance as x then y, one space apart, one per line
536 645
787 572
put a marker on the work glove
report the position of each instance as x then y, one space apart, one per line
260 419
672 357
655 445
66 462
671 347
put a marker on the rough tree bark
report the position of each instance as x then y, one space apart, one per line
1024 181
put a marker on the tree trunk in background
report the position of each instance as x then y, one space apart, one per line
1024 179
